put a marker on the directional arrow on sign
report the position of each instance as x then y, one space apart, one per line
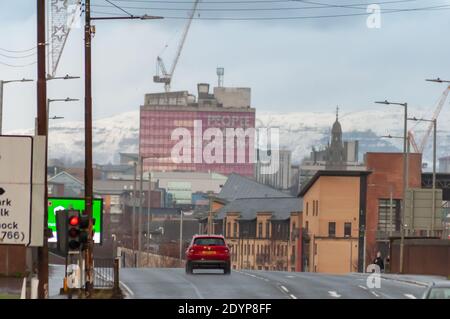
2 191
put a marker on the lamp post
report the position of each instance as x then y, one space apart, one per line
89 30
433 207
405 168
2 83
437 80
405 184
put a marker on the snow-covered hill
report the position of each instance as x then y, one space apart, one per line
299 131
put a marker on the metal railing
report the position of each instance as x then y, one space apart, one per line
106 272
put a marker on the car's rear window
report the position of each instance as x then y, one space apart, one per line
440 293
209 241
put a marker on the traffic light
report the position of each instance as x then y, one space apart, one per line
73 229
84 230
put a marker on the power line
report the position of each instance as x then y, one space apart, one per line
18 65
431 8
17 51
17 57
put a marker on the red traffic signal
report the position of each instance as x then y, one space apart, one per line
74 220
73 229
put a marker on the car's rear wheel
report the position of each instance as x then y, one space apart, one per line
227 269
189 269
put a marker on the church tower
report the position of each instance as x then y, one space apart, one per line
336 153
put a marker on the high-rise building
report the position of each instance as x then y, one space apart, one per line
181 133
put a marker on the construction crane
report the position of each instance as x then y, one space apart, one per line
162 76
419 148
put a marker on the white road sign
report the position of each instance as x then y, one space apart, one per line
16 155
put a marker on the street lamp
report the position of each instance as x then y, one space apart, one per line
405 186
433 209
67 99
2 83
66 77
405 166
438 80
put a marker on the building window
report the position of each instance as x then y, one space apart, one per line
389 218
347 229
229 229
307 208
253 249
332 229
234 230
307 225
267 229
260 227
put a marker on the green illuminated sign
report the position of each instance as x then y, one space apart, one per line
58 203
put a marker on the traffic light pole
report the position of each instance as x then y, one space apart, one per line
88 174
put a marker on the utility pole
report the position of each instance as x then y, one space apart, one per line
42 118
88 174
141 190
133 218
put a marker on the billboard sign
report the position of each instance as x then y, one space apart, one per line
56 204
418 209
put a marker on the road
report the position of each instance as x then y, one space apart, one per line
173 283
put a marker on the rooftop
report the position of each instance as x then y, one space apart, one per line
238 186
280 208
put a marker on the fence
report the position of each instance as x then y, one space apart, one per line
106 273
129 258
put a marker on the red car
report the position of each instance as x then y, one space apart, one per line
208 252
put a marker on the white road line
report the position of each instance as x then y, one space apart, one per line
127 288
334 294
290 276
410 296
360 286
375 294
284 288
293 297
266 280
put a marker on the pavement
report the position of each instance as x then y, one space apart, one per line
173 283
421 280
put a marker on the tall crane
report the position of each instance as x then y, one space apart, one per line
162 76
418 148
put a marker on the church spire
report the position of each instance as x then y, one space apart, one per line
337 112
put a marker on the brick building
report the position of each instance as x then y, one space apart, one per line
385 183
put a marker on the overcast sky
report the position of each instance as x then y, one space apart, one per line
291 65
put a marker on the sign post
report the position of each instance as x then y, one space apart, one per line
16 168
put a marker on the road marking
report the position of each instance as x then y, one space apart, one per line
360 286
127 288
284 288
375 294
293 297
410 296
290 276
334 294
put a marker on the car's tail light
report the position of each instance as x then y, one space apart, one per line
226 250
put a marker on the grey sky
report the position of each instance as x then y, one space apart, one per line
307 65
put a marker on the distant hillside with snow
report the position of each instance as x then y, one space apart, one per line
299 132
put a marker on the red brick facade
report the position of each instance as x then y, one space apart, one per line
387 173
